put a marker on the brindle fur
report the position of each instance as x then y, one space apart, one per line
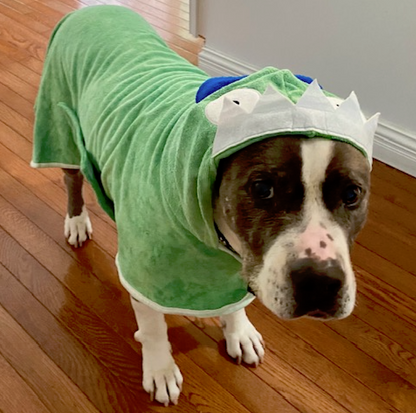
74 180
347 167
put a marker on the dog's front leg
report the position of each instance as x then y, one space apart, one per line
244 342
161 376
77 222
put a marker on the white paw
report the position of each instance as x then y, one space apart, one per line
244 342
78 228
161 376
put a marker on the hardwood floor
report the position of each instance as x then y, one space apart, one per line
66 325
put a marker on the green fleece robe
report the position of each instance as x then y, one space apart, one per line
117 103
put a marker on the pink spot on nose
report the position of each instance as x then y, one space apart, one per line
313 243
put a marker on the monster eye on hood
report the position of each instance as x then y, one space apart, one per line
245 98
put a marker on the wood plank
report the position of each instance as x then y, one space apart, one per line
385 270
386 321
15 120
22 40
402 220
400 179
283 340
47 10
167 20
387 296
16 396
191 57
16 102
387 242
181 4
110 350
33 63
391 228
171 8
274 372
46 19
108 392
379 346
23 19
392 193
393 389
23 72
19 86
15 5
38 370
56 5
294 361
345 390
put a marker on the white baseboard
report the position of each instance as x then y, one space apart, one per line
218 64
391 145
395 148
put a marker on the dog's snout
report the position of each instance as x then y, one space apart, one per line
316 285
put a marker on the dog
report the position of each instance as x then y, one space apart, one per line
284 203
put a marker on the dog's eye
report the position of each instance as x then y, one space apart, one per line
351 195
263 190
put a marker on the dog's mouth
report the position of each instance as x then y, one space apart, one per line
319 314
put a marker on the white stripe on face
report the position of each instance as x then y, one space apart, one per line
320 227
317 236
316 156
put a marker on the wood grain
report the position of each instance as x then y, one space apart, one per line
22 18
16 396
39 370
66 336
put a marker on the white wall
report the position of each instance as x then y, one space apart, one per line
368 46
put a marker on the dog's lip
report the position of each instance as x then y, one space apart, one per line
319 314
250 290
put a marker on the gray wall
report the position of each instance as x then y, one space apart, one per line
368 46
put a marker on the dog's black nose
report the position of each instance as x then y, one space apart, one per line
315 286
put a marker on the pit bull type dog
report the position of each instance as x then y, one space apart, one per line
256 189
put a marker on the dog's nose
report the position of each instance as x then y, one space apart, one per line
315 286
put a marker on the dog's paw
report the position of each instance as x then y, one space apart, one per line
78 228
244 343
164 385
162 378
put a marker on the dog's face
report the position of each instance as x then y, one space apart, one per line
292 207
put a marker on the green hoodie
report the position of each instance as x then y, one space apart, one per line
117 103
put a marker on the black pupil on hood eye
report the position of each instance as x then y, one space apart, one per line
236 102
263 190
351 195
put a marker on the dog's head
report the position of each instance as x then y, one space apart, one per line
291 207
